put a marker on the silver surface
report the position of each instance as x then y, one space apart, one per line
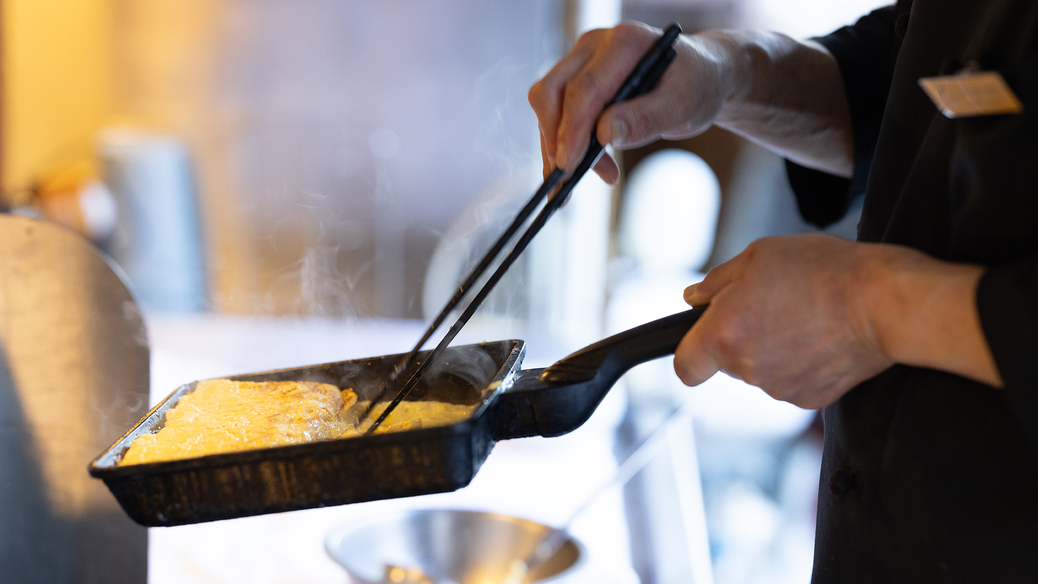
73 378
467 547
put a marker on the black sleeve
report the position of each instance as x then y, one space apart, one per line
1006 303
993 171
865 53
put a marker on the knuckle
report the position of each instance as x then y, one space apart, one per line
730 349
753 248
750 372
756 253
625 33
765 245
589 38
537 96
709 279
730 338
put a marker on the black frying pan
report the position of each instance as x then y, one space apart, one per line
507 402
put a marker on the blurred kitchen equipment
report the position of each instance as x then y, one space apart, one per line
646 74
551 543
73 374
439 546
657 261
70 195
506 403
157 238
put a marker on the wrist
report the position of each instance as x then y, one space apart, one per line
920 311
733 64
869 293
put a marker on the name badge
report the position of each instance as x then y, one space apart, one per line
971 93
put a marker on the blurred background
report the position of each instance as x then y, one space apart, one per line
311 171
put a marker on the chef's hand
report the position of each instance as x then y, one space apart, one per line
569 99
808 317
784 94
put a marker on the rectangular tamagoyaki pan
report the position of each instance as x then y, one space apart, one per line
507 402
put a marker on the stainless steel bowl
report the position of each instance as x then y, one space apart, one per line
441 546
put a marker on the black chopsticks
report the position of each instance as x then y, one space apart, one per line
642 79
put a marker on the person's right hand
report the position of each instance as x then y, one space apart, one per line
569 99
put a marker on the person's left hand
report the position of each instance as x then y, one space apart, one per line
784 315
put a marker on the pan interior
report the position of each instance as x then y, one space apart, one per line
463 375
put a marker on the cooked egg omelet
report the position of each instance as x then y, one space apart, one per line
221 415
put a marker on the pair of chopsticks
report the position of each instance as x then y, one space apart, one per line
643 79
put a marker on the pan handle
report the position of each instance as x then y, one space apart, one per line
557 400
611 357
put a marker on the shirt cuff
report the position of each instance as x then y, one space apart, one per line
823 198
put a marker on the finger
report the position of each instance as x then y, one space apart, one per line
607 168
545 161
716 280
546 96
586 94
693 362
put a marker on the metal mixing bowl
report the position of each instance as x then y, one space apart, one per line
441 546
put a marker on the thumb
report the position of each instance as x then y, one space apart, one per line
637 122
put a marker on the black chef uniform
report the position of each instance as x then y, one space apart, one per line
927 476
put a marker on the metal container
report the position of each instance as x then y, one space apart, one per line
73 376
440 545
